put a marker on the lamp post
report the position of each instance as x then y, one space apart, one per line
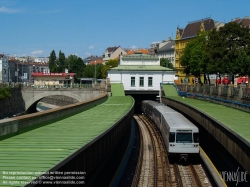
95 71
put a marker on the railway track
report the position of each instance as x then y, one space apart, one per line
153 167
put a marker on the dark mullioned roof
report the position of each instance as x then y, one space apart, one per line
193 27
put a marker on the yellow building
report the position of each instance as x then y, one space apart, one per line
183 36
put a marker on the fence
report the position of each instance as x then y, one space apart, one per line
26 86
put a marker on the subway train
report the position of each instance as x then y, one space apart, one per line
181 137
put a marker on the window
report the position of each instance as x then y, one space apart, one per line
171 136
141 81
150 81
132 81
184 137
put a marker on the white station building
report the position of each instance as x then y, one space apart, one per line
141 74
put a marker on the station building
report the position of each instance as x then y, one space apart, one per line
141 74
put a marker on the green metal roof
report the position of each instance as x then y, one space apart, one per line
237 120
140 56
41 149
117 90
169 90
139 68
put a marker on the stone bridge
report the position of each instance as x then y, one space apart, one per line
32 96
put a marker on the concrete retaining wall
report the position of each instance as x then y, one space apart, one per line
13 105
238 147
16 124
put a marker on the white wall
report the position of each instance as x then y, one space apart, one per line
141 62
125 78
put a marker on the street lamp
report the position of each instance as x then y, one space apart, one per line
95 71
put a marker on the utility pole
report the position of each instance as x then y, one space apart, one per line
95 71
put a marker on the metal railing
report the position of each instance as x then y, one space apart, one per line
29 86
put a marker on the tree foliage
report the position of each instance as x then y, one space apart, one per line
61 62
75 65
108 65
93 71
226 50
52 62
5 93
166 63
194 57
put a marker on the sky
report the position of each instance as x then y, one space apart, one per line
89 27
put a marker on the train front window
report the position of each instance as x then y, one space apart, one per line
184 137
171 136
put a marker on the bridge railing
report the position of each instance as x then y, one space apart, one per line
96 86
28 86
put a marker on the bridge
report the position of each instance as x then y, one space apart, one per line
33 94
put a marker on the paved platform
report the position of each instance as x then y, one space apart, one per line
39 150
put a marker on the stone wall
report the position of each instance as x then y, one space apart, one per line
59 100
13 105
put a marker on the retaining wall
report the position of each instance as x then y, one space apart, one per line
17 124
238 147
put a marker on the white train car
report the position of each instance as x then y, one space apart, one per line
179 134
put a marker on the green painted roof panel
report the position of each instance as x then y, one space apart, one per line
169 90
237 120
44 147
117 89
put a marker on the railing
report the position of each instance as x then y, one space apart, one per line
239 92
224 90
27 86
246 93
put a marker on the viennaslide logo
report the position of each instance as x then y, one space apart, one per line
234 176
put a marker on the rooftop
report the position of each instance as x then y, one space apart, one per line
140 68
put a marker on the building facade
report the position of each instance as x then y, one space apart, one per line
53 79
4 68
166 50
113 53
140 72
183 36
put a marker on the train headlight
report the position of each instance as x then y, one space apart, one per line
172 145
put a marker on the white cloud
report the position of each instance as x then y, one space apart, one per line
38 52
91 47
87 53
9 10
134 47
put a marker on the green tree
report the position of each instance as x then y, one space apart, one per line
76 65
164 62
5 93
108 65
61 62
52 62
89 71
194 57
92 71
226 46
